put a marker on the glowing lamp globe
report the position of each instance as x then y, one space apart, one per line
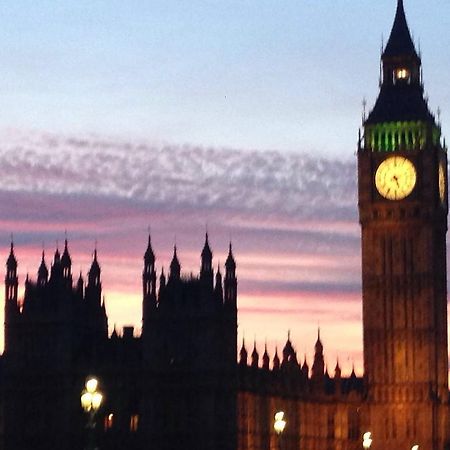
279 423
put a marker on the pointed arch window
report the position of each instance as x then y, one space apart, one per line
134 423
109 421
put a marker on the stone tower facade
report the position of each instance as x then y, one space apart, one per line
402 171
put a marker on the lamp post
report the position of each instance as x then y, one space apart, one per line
367 440
91 399
279 425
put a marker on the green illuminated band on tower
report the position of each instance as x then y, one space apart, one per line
394 136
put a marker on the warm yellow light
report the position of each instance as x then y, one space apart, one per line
134 422
402 74
279 423
86 401
91 385
96 400
415 447
109 420
395 178
91 399
367 439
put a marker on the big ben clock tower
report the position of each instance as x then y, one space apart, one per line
402 171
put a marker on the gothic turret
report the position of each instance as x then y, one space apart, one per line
337 371
94 271
66 265
265 358
57 257
162 281
289 356
11 306
11 279
149 282
318 367
96 318
175 267
255 356
305 368
94 286
218 289
243 355
206 271
230 283
337 378
276 361
80 286
42 276
56 268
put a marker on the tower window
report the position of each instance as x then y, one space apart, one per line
109 421
134 422
402 74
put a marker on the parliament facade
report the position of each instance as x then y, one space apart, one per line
179 384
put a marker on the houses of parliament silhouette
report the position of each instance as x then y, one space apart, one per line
179 386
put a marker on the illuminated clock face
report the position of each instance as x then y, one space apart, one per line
395 178
441 182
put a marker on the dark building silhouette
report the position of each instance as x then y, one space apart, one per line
174 386
189 356
179 386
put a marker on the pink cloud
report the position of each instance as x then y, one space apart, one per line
292 219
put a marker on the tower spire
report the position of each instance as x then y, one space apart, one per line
175 267
11 305
149 301
42 271
11 280
243 355
255 356
230 284
400 42
318 368
149 256
206 271
94 272
66 262
265 358
401 96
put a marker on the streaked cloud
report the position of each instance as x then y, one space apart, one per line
300 186
292 219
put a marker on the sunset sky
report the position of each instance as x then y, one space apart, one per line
239 117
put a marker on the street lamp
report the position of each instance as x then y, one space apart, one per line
279 425
91 399
367 440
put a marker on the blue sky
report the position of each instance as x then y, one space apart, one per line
282 75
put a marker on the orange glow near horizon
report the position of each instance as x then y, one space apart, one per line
266 312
